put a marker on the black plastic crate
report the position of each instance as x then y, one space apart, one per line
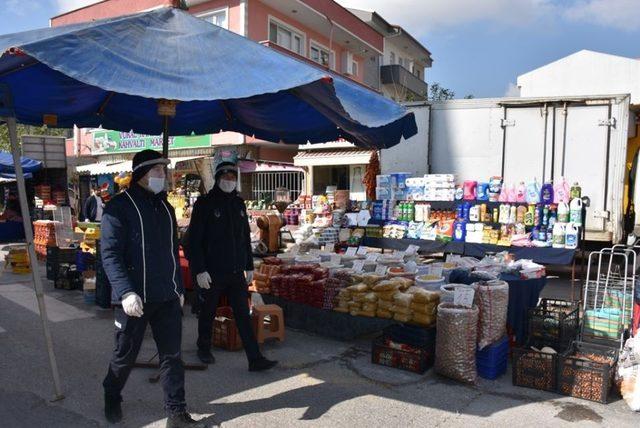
586 379
61 255
554 322
418 361
418 337
534 369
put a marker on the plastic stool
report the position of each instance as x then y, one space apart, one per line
274 329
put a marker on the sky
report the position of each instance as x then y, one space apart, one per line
479 47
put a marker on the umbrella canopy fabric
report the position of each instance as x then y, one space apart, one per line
7 170
111 73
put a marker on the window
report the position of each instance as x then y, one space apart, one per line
286 37
216 17
401 61
321 55
354 68
392 58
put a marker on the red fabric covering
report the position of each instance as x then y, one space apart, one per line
636 317
185 271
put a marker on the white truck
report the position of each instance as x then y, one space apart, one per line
583 139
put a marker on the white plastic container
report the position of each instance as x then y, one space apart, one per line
563 212
559 232
575 211
571 236
430 283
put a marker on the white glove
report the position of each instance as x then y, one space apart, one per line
249 275
132 304
181 300
204 280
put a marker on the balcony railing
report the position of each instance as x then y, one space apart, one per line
396 74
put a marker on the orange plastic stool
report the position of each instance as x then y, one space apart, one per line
274 329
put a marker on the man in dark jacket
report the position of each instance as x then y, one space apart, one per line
92 209
221 257
139 247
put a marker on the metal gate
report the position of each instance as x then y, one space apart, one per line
264 184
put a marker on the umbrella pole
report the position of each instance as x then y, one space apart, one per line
33 261
165 137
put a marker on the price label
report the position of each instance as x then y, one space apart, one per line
335 259
411 250
362 251
373 256
436 270
411 267
463 296
358 265
351 251
381 270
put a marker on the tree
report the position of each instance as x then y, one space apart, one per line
469 97
439 93
5 144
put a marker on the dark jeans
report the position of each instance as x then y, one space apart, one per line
166 324
234 286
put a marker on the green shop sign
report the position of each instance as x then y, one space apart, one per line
122 142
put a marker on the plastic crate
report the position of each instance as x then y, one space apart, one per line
534 369
586 379
418 362
491 362
225 331
418 337
554 322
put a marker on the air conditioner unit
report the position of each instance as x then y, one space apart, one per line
347 63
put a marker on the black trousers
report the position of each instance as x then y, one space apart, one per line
234 286
166 324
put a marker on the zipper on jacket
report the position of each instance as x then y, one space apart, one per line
233 234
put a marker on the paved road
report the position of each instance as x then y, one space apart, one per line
320 382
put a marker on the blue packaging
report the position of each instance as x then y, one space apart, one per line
482 192
460 231
465 211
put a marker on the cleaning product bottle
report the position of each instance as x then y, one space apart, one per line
483 213
561 191
575 211
533 192
542 235
474 213
559 232
545 215
483 192
563 212
537 220
459 212
512 195
512 214
571 236
459 194
469 189
529 217
504 214
520 213
521 193
553 216
496 215
460 231
546 193
576 191
465 211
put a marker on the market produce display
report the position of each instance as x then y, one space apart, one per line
493 300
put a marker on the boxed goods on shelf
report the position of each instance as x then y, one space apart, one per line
586 371
533 368
554 322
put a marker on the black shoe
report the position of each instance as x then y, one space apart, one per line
182 420
112 409
206 356
261 364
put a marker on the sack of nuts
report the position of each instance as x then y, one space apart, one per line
456 342
493 301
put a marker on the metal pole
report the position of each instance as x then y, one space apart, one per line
165 138
33 261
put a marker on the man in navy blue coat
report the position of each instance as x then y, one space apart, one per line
139 247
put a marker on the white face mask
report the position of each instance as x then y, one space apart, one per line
227 186
156 185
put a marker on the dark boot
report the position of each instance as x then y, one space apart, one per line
206 356
112 409
261 364
181 420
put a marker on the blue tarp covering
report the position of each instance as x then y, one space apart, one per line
110 73
7 170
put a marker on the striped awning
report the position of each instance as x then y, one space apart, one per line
333 157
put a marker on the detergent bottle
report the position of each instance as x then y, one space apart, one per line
482 192
529 216
520 213
460 231
469 189
559 232
513 214
474 213
504 213
561 191
521 193
533 192
563 212
546 193
576 191
571 236
575 211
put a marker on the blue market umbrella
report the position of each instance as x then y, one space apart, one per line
7 169
111 73
165 71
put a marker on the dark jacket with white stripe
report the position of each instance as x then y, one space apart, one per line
139 246
219 234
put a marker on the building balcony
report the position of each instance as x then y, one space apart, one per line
396 74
